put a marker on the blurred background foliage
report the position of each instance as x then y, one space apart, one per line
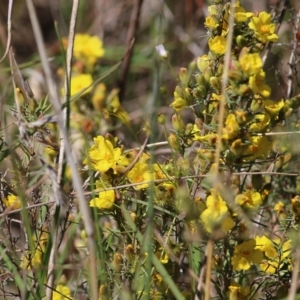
178 25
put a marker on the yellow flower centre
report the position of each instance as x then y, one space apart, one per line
107 156
265 28
217 205
139 178
247 200
246 253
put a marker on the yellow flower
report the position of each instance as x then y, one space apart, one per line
99 95
81 82
232 127
217 45
250 63
269 266
263 28
103 155
286 248
242 16
257 84
296 205
160 172
34 260
140 173
88 49
266 245
259 147
12 202
238 147
114 107
105 200
275 256
61 292
249 199
210 138
30 260
273 108
211 23
179 102
245 254
238 292
215 212
214 10
280 206
260 123
281 211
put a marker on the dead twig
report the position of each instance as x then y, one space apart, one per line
131 38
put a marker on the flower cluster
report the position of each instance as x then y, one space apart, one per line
229 208
112 161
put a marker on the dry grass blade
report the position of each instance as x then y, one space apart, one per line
51 267
76 179
10 5
221 115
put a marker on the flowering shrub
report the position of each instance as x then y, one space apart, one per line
216 216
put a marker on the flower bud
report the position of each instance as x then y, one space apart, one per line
188 95
203 63
174 142
200 79
161 119
177 123
215 83
207 74
117 263
241 41
163 91
192 66
188 129
179 91
179 103
220 70
256 105
184 76
199 92
129 252
133 217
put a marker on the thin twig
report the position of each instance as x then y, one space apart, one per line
129 167
131 38
183 177
53 92
51 264
295 276
67 82
278 133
